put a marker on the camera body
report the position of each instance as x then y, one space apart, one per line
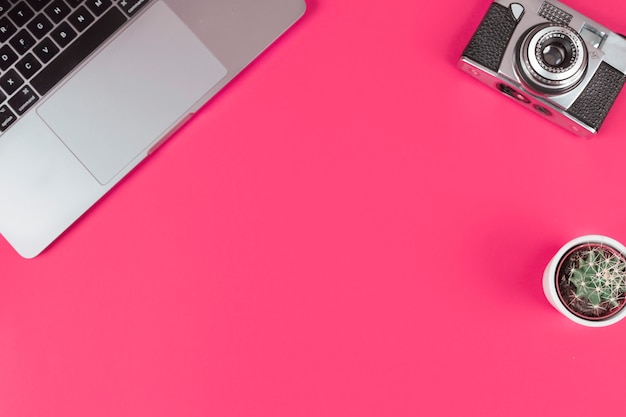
551 59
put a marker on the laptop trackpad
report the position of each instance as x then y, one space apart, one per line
132 92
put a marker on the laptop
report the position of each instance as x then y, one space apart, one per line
89 88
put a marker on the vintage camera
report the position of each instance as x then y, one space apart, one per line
551 59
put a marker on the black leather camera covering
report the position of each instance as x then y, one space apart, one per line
596 100
489 43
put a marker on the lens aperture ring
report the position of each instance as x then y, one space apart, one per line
564 44
552 58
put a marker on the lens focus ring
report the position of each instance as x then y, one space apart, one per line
557 46
552 58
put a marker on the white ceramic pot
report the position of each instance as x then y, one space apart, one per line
550 280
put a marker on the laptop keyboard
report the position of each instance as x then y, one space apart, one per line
44 40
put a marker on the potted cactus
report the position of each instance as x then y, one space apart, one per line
586 280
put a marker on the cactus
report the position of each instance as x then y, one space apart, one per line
598 275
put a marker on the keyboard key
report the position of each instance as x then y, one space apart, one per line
81 19
78 51
98 7
7 57
4 6
28 66
21 13
74 3
22 42
23 100
11 81
63 34
57 10
45 50
7 29
37 4
40 26
7 117
132 6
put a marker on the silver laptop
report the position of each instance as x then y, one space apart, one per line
89 88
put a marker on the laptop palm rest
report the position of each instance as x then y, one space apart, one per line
132 92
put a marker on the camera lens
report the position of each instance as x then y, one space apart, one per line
554 55
552 59
510 91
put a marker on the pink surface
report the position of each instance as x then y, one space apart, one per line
353 227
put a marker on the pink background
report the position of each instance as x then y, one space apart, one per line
353 227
